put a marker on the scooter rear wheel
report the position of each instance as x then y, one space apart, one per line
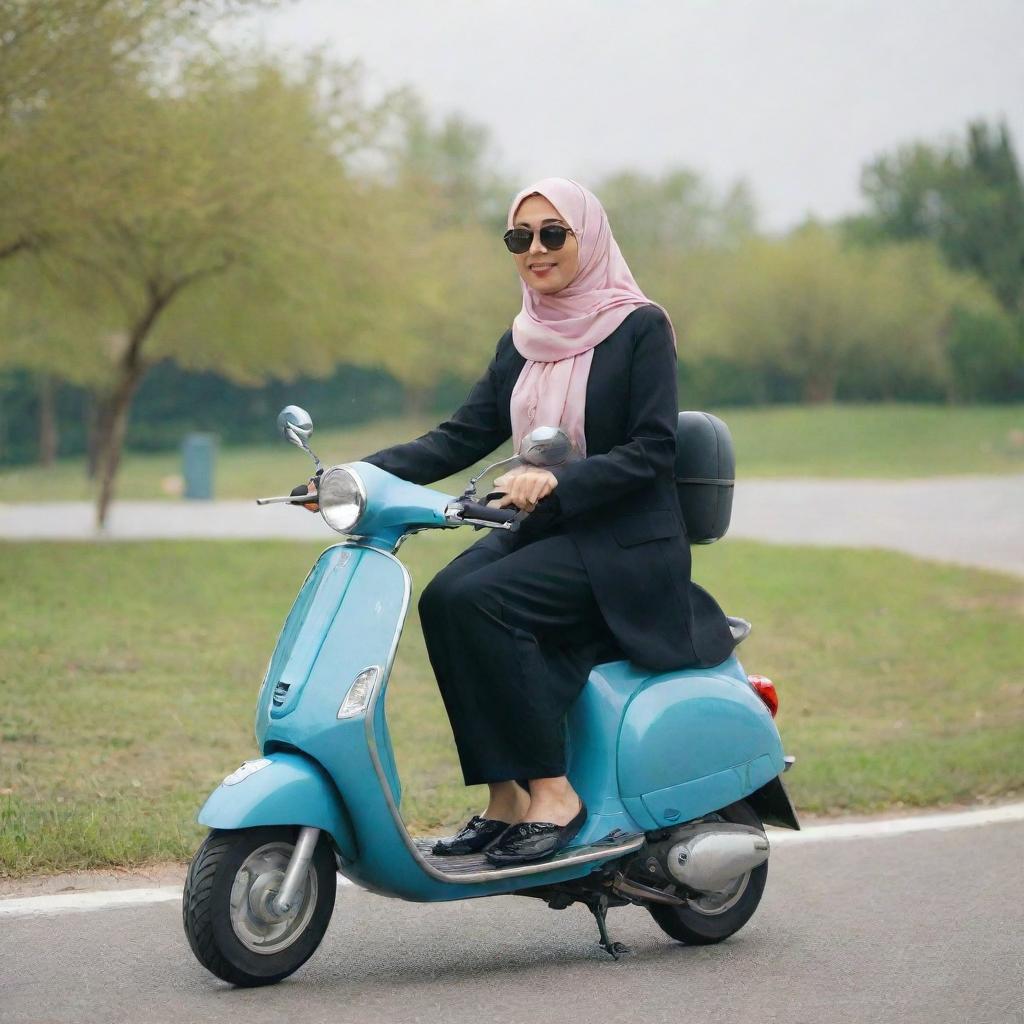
226 910
711 919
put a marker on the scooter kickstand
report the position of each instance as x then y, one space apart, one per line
599 908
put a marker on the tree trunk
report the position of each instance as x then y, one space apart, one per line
90 416
97 428
820 386
48 432
112 416
112 425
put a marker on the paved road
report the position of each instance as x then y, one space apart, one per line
926 928
975 521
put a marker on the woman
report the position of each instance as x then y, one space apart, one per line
601 568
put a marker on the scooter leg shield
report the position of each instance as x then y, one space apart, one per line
283 788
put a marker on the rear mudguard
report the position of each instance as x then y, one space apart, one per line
284 788
773 805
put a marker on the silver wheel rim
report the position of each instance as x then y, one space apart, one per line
256 884
712 904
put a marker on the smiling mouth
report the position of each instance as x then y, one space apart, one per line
541 266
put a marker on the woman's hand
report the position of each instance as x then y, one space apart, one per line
525 487
307 488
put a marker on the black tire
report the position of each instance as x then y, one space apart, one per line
688 924
207 913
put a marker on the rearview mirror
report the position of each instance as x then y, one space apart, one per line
296 426
545 446
542 446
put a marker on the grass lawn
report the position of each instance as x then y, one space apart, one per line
129 673
834 441
877 440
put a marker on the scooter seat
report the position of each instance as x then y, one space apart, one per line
610 653
740 629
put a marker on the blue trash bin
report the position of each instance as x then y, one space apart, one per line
198 452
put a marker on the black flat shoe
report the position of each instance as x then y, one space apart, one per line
534 840
475 835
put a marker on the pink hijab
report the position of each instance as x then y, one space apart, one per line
557 333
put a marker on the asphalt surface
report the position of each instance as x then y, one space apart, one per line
926 928
973 521
976 521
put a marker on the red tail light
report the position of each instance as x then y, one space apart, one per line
765 689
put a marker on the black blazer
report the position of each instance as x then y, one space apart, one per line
619 504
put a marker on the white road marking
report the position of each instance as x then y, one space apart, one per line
78 902
109 899
898 826
61 903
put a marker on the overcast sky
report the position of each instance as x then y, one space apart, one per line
792 95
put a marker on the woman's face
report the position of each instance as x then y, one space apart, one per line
545 270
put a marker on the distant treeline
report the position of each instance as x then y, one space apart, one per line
173 402
984 357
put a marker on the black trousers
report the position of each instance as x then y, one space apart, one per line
512 636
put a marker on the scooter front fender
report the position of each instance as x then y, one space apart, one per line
284 788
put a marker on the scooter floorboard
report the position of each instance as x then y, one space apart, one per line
452 865
477 863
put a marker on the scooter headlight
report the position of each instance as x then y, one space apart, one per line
342 498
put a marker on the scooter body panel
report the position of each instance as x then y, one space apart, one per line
692 742
648 751
594 722
283 789
349 615
396 507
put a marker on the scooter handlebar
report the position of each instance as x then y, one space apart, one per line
301 495
487 513
288 499
474 512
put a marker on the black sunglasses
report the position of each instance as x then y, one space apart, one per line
552 236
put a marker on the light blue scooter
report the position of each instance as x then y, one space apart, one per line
680 769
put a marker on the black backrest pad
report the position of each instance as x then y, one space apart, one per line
705 474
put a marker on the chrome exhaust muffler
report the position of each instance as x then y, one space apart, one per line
707 856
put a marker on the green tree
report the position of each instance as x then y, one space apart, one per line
442 208
967 198
61 62
215 223
41 332
986 352
820 314
453 162
671 229
674 212
60 65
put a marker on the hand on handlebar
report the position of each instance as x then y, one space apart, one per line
309 488
525 487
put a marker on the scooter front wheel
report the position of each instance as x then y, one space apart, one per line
227 906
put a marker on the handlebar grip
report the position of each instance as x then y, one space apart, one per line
474 510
